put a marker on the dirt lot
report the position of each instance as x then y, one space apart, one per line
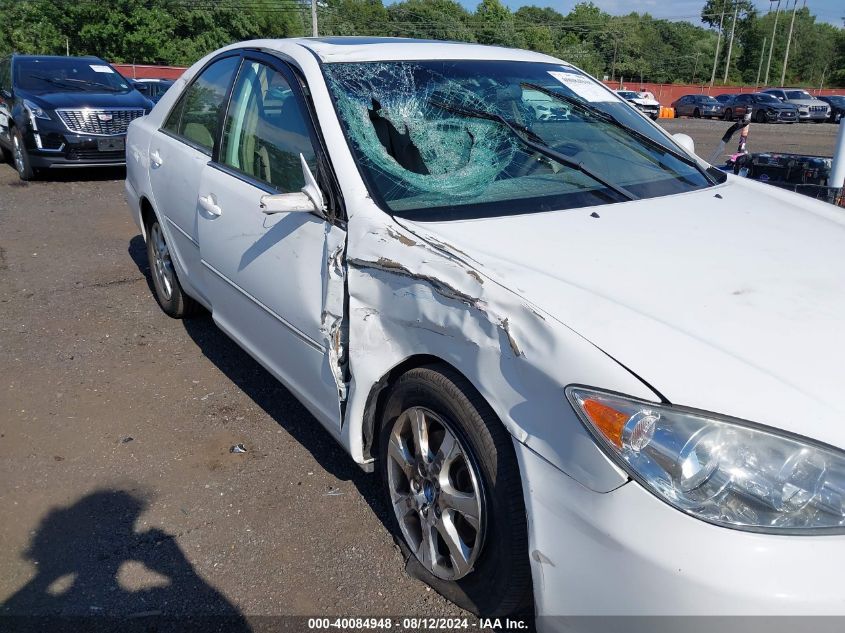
119 493
800 138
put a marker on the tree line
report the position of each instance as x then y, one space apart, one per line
633 47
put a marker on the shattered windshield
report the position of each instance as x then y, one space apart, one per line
457 139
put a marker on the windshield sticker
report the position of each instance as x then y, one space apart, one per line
584 87
100 68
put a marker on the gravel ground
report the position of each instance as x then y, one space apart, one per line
119 494
800 138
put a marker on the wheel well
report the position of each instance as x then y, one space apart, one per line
147 214
381 389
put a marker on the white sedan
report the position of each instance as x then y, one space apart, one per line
591 370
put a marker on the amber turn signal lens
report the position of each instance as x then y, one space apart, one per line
607 420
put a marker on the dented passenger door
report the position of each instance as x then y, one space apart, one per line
275 279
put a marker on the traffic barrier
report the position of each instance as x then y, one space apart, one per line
667 113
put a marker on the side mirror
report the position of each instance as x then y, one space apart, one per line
309 199
685 141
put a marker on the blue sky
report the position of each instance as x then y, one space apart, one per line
830 11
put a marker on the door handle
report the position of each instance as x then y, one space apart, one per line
209 206
155 159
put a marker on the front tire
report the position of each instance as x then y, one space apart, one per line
168 291
20 157
696 114
760 116
450 473
729 115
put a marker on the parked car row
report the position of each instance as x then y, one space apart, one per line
774 105
64 112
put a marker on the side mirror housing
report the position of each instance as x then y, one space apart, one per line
309 199
685 141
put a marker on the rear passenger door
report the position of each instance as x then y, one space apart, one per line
178 153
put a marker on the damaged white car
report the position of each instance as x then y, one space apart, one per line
593 371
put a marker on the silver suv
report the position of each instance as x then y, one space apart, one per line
809 107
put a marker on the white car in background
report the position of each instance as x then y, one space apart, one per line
642 101
591 370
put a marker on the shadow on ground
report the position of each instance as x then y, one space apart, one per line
96 572
273 398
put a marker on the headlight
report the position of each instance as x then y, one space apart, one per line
718 469
35 110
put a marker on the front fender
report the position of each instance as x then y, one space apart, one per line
409 296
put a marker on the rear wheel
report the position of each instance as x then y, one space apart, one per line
168 290
729 115
20 157
450 473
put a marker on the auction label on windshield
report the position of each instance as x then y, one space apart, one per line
584 87
100 68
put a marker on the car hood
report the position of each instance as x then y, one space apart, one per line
646 102
806 102
778 106
60 99
729 299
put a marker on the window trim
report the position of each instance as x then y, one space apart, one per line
227 96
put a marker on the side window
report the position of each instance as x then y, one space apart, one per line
265 129
195 115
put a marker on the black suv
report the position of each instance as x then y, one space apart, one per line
65 112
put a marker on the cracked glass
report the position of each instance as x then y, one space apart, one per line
455 139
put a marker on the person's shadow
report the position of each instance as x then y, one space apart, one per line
96 572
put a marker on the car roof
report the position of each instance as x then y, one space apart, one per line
81 57
362 49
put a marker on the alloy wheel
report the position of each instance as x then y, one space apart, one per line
436 493
162 263
17 153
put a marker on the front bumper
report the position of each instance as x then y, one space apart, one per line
651 111
626 553
813 115
51 146
781 116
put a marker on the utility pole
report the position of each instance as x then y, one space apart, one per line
613 65
788 42
760 67
731 42
695 67
314 18
718 42
772 43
